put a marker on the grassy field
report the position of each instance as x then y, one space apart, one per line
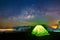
28 36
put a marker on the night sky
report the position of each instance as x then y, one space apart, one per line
29 12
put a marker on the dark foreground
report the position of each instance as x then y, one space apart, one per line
27 36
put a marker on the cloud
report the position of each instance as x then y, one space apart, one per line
28 17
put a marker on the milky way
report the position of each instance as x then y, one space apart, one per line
29 12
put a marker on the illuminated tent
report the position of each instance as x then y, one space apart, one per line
39 30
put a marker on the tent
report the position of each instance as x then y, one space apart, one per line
39 30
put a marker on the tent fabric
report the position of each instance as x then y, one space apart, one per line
39 30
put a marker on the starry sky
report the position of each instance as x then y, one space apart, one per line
29 12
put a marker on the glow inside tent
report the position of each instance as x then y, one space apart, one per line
39 30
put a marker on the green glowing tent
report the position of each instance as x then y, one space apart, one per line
39 30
